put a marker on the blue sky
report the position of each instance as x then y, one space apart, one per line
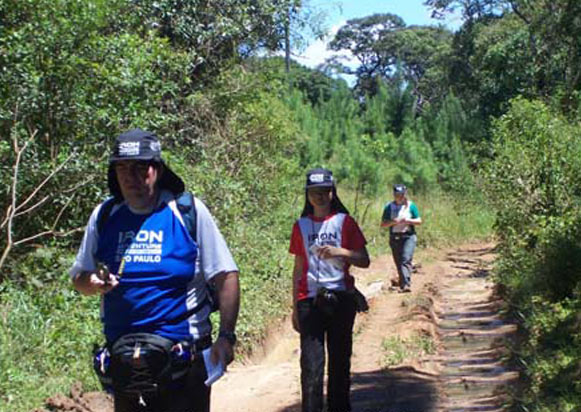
338 12
412 11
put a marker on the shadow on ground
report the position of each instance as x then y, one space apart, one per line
397 390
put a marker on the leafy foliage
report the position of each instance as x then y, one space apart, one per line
214 31
469 9
534 183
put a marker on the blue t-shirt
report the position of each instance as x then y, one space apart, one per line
162 287
159 263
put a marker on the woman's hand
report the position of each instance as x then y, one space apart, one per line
329 252
359 258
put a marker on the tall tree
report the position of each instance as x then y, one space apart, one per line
215 31
555 38
366 39
552 41
384 46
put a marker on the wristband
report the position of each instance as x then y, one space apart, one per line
229 336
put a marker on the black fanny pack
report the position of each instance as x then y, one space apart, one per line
141 363
402 235
361 304
327 300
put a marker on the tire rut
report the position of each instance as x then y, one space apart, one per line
475 335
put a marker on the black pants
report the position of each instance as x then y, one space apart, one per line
188 394
338 330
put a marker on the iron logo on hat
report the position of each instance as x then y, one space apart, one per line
317 178
129 149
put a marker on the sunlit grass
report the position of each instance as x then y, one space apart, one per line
448 219
397 350
46 338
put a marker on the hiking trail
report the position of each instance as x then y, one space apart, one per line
437 349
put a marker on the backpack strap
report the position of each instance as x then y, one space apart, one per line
187 207
104 213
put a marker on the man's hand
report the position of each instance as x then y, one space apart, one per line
91 283
222 351
104 284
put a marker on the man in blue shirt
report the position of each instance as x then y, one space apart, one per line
155 277
401 216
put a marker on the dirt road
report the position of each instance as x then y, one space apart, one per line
436 349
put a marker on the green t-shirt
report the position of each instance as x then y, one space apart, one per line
392 211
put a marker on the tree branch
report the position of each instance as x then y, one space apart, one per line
516 10
47 233
14 210
31 208
52 230
44 182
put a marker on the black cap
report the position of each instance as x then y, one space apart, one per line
136 144
399 189
319 178
139 144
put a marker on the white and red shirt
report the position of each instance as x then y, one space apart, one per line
309 233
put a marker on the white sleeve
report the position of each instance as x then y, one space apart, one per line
214 257
85 260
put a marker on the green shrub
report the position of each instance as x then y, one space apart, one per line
534 183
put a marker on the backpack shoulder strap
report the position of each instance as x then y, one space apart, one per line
187 207
104 213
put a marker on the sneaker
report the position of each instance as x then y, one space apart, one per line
406 289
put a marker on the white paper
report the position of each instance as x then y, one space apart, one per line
215 371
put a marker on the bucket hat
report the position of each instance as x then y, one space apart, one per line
139 144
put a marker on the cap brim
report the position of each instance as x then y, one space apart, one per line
322 184
113 159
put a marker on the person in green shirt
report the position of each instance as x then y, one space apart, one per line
401 216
